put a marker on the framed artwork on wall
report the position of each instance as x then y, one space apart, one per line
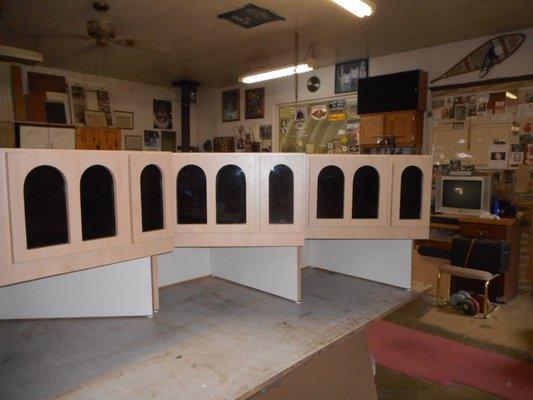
168 141
95 119
231 105
133 142
254 103
162 114
124 120
152 140
347 75
79 104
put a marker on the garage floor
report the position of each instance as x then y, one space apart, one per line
509 332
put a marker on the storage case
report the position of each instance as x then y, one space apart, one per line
486 255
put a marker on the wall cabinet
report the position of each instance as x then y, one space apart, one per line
45 137
405 126
98 139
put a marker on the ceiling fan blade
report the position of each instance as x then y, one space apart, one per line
139 44
57 35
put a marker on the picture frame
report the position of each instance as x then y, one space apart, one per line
162 110
254 103
55 112
347 75
124 120
79 104
516 159
63 98
231 105
133 142
498 157
152 140
95 119
168 141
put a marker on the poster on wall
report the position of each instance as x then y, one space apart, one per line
319 112
162 114
79 104
347 75
336 110
254 103
152 140
168 141
231 105
265 132
104 104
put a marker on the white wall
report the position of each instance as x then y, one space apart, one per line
434 60
124 96
183 264
123 289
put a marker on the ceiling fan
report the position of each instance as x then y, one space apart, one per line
104 32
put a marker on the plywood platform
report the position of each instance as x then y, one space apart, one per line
212 339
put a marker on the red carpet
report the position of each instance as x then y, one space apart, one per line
443 361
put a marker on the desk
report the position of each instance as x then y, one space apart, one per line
503 288
211 339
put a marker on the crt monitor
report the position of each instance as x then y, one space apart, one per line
469 195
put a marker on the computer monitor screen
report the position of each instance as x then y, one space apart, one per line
462 194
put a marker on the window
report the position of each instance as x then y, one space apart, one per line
152 198
281 195
45 207
231 195
330 193
411 193
191 195
97 200
365 201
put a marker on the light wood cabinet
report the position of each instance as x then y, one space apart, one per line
45 137
98 139
405 126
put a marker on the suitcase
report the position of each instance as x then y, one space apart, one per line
487 255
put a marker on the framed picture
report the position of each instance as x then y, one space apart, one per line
231 105
79 104
95 119
104 104
254 103
168 141
347 75
61 98
152 140
133 142
55 112
124 120
224 144
517 158
162 114
498 156
265 132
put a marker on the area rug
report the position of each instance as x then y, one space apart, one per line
444 362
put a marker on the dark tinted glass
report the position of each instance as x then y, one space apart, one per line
152 198
411 193
281 195
231 195
45 207
365 199
330 193
192 196
462 194
97 199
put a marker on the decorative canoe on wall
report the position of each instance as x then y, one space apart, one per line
486 56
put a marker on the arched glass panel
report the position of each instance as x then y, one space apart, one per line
45 207
365 200
152 198
330 193
281 195
192 196
97 200
411 193
231 195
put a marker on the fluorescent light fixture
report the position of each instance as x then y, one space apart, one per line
279 72
511 95
361 8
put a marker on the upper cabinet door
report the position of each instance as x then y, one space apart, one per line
402 125
34 137
281 192
371 129
62 138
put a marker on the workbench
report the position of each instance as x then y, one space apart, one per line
212 339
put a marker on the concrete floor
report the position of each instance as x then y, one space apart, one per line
395 386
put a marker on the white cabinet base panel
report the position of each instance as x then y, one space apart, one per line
183 264
123 289
385 261
274 270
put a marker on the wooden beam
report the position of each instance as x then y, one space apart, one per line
188 89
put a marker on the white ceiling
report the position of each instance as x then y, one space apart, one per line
212 51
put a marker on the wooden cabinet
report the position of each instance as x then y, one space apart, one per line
98 139
45 137
405 126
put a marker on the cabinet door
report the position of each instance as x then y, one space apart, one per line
86 138
371 129
62 138
109 139
401 125
34 137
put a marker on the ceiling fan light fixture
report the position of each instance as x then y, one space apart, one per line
278 72
360 8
